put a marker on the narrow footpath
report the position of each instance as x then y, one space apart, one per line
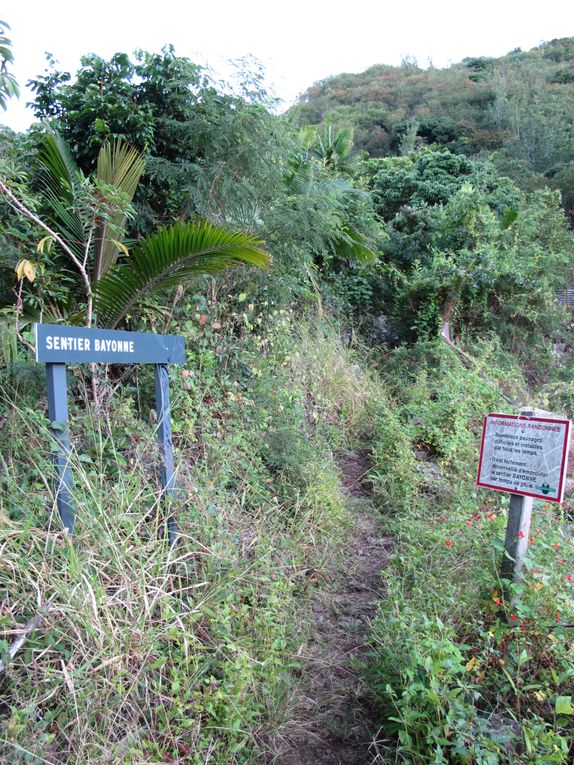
335 723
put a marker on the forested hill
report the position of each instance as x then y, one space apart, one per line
520 106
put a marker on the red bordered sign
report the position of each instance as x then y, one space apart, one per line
524 455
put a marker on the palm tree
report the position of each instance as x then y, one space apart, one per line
85 219
333 147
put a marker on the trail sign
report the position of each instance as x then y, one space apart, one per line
58 345
524 455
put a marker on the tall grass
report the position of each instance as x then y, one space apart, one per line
156 654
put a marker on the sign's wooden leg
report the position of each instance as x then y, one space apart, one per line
517 528
58 414
163 410
517 534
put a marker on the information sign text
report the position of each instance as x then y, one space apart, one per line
525 456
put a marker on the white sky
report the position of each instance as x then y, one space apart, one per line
297 41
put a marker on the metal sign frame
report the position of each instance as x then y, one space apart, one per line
58 345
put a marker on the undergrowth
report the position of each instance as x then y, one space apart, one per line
466 668
152 654
189 654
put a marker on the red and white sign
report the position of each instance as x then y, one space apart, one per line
524 455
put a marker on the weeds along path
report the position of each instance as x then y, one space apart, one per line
333 723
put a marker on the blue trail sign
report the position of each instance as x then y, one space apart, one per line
58 345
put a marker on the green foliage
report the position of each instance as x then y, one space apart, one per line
207 151
431 177
86 220
519 104
188 652
462 672
8 85
222 155
466 248
170 257
189 655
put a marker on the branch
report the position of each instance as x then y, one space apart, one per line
28 629
21 208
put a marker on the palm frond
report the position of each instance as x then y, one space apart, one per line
171 256
351 245
57 160
61 178
121 166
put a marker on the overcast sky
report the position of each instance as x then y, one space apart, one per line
297 41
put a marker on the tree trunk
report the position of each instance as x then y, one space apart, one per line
447 313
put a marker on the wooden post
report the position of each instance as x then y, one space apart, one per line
518 527
58 414
516 539
163 411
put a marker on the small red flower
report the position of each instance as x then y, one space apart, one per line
536 571
556 545
521 534
531 539
137 438
498 602
491 516
567 578
561 560
557 617
563 505
513 618
448 543
202 320
469 521
538 531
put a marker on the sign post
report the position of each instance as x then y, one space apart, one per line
166 444
517 529
527 457
58 345
57 390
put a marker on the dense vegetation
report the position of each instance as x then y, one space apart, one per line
330 300
517 108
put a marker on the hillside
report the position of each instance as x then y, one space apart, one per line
520 106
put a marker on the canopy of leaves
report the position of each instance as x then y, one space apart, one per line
207 150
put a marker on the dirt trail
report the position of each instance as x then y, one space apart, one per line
334 720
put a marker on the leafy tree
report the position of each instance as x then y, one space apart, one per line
430 131
222 155
207 151
463 249
430 177
8 85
